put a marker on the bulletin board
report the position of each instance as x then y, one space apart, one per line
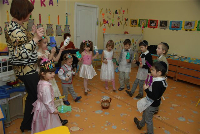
119 39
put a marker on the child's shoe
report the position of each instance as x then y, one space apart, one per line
120 89
129 93
77 98
66 102
137 122
139 96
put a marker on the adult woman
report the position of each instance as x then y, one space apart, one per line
23 54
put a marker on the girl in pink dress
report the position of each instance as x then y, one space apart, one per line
87 71
45 114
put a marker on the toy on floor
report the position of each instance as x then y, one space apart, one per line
64 109
105 102
60 97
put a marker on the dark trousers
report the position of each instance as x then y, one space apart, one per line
30 82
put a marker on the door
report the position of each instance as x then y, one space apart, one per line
85 23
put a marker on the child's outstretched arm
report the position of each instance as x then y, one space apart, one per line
95 55
48 100
59 54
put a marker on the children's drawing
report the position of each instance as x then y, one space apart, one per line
198 26
152 23
163 24
189 25
133 22
30 24
175 25
143 23
49 30
58 30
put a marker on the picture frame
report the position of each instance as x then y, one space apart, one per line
163 24
198 26
133 22
30 25
152 23
189 25
145 21
1 30
175 25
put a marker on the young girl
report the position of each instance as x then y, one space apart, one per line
44 53
87 71
45 113
107 67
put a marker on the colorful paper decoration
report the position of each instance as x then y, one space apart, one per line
49 30
116 12
104 30
64 109
57 2
123 11
66 29
33 2
175 25
7 16
50 2
0 30
163 24
5 2
66 18
58 30
152 23
101 10
189 25
149 80
198 26
52 41
30 25
49 19
103 15
42 3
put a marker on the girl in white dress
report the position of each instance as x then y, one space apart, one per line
107 67
44 53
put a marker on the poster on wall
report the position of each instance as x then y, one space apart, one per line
189 25
198 26
30 25
175 25
133 22
152 23
163 24
143 23
49 30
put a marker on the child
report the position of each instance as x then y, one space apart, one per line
44 53
45 113
87 71
125 65
65 74
162 50
143 69
107 67
154 94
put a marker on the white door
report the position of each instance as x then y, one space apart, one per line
85 23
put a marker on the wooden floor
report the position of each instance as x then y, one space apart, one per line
177 113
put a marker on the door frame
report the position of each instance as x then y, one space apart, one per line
96 28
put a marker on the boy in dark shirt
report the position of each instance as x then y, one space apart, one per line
143 69
154 94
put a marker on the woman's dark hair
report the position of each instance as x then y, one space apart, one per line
127 41
67 34
44 69
143 43
86 43
160 66
20 9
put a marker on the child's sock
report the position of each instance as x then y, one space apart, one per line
113 84
106 85
85 84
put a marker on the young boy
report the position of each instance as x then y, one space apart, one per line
125 60
162 50
154 93
65 74
143 69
